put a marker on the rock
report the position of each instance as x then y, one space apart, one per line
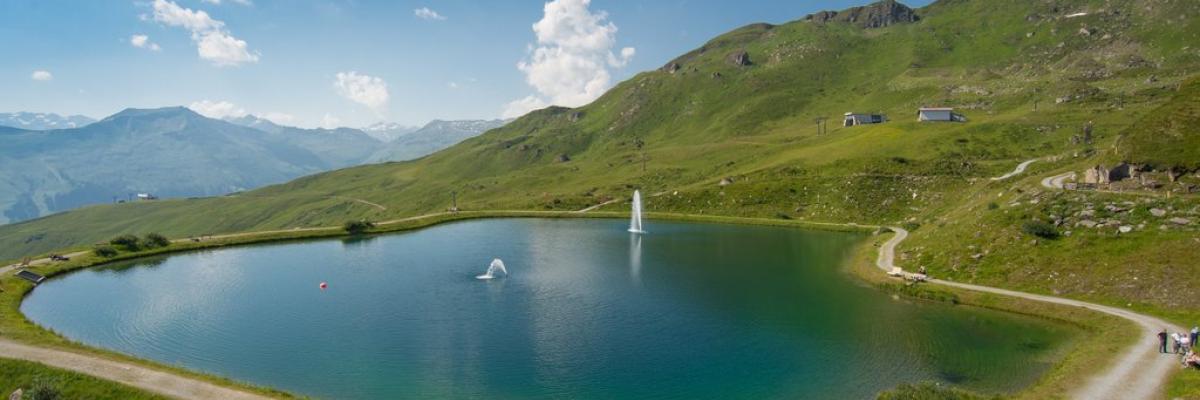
1087 223
671 68
1152 79
1125 229
563 158
1181 221
977 256
726 181
575 116
1158 212
716 75
877 15
740 58
17 395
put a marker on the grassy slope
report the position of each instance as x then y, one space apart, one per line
994 60
16 374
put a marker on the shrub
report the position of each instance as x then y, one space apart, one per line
44 389
1040 229
129 242
782 215
357 227
105 251
993 205
156 240
910 226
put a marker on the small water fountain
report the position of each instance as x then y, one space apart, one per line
495 268
635 218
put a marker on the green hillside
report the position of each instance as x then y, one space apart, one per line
1027 74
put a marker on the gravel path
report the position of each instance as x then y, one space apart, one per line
164 383
1056 181
1019 170
1140 372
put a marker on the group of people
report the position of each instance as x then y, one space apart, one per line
1182 344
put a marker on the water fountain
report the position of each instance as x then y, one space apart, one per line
635 218
497 266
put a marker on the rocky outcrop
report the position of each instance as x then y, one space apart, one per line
671 68
740 58
876 15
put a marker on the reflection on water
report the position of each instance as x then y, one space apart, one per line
590 311
635 258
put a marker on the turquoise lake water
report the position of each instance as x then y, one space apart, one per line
589 311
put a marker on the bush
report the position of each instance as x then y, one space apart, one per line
993 205
129 242
782 215
357 227
910 226
44 389
105 251
156 240
1040 229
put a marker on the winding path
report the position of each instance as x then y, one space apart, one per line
1019 170
164 383
1056 181
1140 372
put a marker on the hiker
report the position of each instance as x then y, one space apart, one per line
1162 341
1175 342
1185 343
1195 334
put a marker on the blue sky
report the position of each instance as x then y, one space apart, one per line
349 63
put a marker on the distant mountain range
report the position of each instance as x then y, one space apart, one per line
42 121
175 152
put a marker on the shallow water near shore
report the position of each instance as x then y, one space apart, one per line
589 311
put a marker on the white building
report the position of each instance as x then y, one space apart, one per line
855 119
939 114
146 196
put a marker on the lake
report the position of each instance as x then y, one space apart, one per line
589 311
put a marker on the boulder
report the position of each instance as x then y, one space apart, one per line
1158 212
740 58
1181 221
563 158
671 68
876 15
726 182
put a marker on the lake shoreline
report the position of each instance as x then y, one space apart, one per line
1055 381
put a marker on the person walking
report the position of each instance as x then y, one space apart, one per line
1195 334
1162 341
1175 342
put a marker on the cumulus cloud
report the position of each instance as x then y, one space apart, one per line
570 66
217 109
427 14
143 42
41 75
363 89
218 2
214 43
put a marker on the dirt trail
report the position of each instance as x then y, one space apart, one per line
1140 372
164 383
1019 170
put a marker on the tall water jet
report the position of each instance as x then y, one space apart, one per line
496 267
635 218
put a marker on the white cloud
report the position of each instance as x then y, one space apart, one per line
213 42
452 85
143 42
571 64
279 118
329 121
42 75
367 90
218 2
426 14
217 109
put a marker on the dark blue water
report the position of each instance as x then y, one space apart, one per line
589 311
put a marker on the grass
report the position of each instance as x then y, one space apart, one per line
17 374
1003 64
1103 337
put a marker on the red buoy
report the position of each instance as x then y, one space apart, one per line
324 285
